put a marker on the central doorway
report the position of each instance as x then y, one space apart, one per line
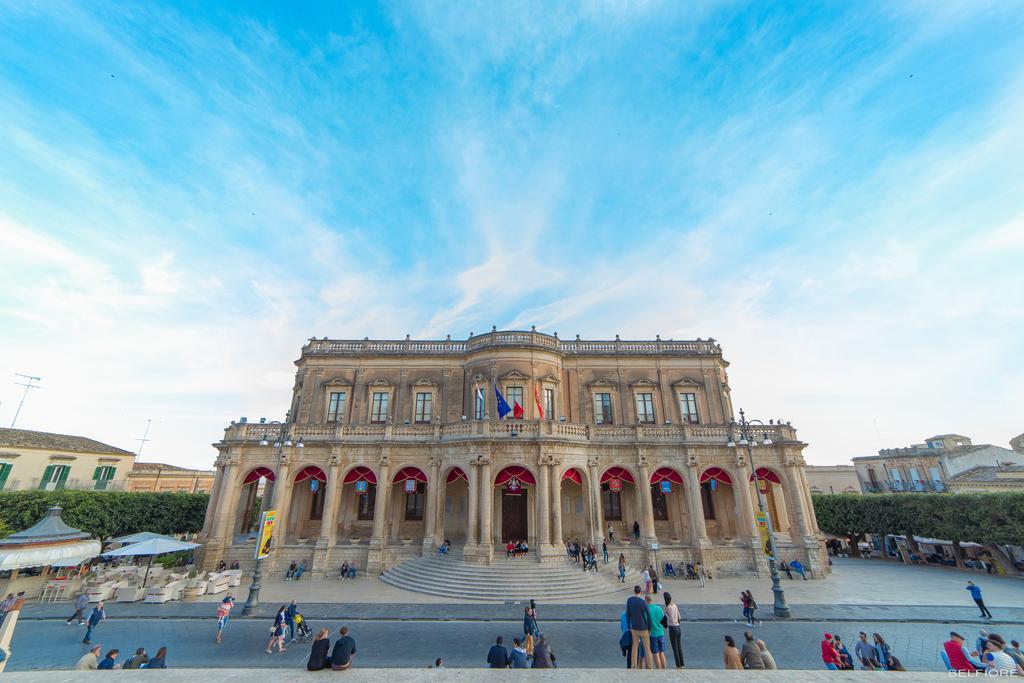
514 525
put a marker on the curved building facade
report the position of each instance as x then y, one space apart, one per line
391 446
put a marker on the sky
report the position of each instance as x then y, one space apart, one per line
834 191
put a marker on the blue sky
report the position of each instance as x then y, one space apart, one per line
834 191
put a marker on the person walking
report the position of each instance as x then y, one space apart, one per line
344 650
81 602
108 660
497 656
658 622
604 551
829 653
160 661
543 655
698 569
956 656
136 660
751 653
645 577
636 530
89 661
622 569
751 609
767 657
518 659
730 655
277 632
746 607
320 652
975 592
865 652
223 615
289 620
639 619
654 579
611 532
675 631
530 628
97 615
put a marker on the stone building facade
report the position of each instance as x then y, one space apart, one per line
391 446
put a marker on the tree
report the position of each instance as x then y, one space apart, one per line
106 514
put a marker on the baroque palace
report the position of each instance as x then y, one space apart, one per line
391 446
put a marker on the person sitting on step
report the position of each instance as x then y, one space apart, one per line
343 573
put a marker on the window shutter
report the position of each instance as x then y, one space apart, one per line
5 470
110 473
96 473
47 473
64 471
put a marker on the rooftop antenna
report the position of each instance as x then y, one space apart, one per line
29 383
142 441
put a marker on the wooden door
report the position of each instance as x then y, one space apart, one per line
513 516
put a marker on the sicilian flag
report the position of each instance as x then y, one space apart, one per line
503 408
517 410
536 398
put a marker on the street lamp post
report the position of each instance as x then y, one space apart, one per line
252 602
748 439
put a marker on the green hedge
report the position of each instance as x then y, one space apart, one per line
986 518
106 514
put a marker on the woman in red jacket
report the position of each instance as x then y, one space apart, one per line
829 653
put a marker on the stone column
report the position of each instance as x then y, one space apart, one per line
282 499
486 505
795 503
375 556
543 504
433 496
211 508
473 514
226 501
644 491
698 528
557 539
328 528
747 525
597 525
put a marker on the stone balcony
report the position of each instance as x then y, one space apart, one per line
509 339
501 429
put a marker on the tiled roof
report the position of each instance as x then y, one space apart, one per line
25 438
896 453
154 467
990 473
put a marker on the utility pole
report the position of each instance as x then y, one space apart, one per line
29 383
142 442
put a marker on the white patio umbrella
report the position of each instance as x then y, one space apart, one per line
140 536
152 548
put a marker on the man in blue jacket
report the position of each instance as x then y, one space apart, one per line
639 618
975 592
497 657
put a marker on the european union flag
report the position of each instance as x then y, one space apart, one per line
503 408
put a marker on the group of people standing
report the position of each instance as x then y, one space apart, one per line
643 625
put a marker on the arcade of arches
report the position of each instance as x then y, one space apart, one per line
379 512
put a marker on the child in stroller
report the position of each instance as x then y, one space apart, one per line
302 630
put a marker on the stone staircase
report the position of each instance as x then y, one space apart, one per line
505 580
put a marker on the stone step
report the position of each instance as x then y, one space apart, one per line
508 595
492 584
469 571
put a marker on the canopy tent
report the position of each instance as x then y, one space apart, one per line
140 536
152 548
70 562
455 474
49 541
573 474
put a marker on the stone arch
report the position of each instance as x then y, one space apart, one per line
306 508
668 504
770 484
574 519
620 500
357 504
407 504
718 503
513 513
256 490
454 485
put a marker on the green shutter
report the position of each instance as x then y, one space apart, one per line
47 473
64 472
110 473
96 473
5 471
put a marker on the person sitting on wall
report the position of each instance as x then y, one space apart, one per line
343 572
300 571
290 574
352 570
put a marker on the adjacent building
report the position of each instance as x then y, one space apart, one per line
832 479
41 460
926 467
389 447
989 479
156 476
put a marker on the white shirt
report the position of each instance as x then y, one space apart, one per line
1001 662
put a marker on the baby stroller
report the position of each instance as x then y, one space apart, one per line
302 630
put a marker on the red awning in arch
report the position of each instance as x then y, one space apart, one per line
766 474
716 473
616 473
257 473
573 474
360 473
414 473
521 473
311 472
666 474
455 474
